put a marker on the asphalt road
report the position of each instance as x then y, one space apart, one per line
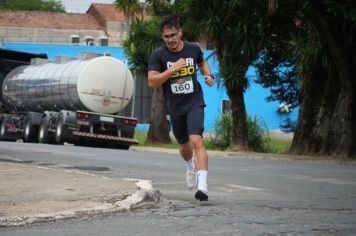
246 196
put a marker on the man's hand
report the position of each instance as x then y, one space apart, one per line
178 65
209 80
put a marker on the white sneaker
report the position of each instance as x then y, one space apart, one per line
191 178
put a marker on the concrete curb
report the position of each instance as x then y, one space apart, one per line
257 156
145 195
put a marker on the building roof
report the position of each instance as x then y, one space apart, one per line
28 19
107 11
95 18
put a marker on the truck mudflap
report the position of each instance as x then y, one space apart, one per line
105 137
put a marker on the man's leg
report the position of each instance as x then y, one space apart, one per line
195 122
201 162
179 127
201 156
186 151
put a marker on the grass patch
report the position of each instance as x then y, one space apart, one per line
276 145
142 135
280 146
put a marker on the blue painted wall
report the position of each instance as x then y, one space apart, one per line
64 50
256 105
255 101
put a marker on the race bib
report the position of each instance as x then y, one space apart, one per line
182 85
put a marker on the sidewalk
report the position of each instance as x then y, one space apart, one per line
32 194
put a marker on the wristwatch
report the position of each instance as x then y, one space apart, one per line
211 76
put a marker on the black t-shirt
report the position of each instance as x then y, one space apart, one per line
182 90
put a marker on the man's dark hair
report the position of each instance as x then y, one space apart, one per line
169 21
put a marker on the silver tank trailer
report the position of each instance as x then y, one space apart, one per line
101 84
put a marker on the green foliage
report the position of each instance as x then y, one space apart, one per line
298 42
239 30
283 82
161 8
141 136
143 38
32 5
234 75
277 146
222 132
52 5
258 138
288 125
129 7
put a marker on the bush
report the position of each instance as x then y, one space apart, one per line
258 137
221 137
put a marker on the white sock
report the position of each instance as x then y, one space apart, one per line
190 165
202 180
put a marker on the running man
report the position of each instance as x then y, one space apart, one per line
173 65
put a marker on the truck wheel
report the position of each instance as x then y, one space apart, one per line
30 132
59 131
43 134
3 131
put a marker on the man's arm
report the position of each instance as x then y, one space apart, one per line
156 78
205 71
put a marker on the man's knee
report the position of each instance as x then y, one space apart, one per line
186 147
196 141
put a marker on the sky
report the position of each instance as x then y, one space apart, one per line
81 6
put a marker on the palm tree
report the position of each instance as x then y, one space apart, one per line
129 7
238 30
143 38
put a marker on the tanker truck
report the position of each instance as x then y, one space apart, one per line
73 100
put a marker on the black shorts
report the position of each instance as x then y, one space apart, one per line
190 123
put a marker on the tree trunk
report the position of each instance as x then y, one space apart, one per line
327 119
315 114
239 139
158 132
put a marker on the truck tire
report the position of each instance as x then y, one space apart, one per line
58 136
3 131
30 132
43 134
